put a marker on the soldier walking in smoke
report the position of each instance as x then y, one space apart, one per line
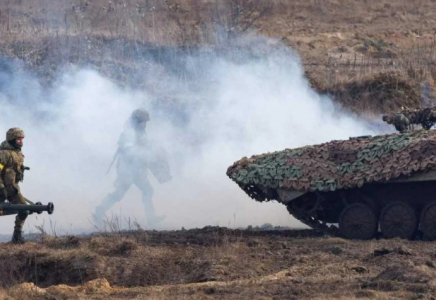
11 173
426 117
135 155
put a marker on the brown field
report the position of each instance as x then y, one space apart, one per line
217 263
371 56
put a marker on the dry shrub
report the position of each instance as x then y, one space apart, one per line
381 93
112 245
66 242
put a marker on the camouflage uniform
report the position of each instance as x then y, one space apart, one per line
426 117
12 168
134 157
400 121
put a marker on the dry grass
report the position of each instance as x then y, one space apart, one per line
217 263
342 44
378 93
180 23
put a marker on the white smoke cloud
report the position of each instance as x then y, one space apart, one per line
244 107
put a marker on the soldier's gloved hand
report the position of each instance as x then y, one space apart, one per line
3 193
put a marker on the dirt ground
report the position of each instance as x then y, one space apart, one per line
218 263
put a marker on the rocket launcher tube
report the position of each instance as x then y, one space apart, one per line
13 209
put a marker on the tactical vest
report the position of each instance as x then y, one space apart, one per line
13 172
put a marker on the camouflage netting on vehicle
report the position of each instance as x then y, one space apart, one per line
336 164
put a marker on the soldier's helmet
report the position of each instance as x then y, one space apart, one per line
140 115
14 133
387 119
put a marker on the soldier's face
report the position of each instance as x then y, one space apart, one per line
19 142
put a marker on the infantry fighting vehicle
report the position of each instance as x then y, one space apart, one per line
352 188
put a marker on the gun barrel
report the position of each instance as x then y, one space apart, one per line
10 208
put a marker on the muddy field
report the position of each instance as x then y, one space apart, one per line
218 263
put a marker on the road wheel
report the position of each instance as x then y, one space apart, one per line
398 219
357 221
428 221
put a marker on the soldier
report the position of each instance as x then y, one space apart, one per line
135 155
400 121
12 168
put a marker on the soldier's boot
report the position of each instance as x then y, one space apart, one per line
17 237
150 213
100 211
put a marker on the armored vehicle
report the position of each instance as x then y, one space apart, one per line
352 188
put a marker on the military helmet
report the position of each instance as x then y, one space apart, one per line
140 115
387 119
14 133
